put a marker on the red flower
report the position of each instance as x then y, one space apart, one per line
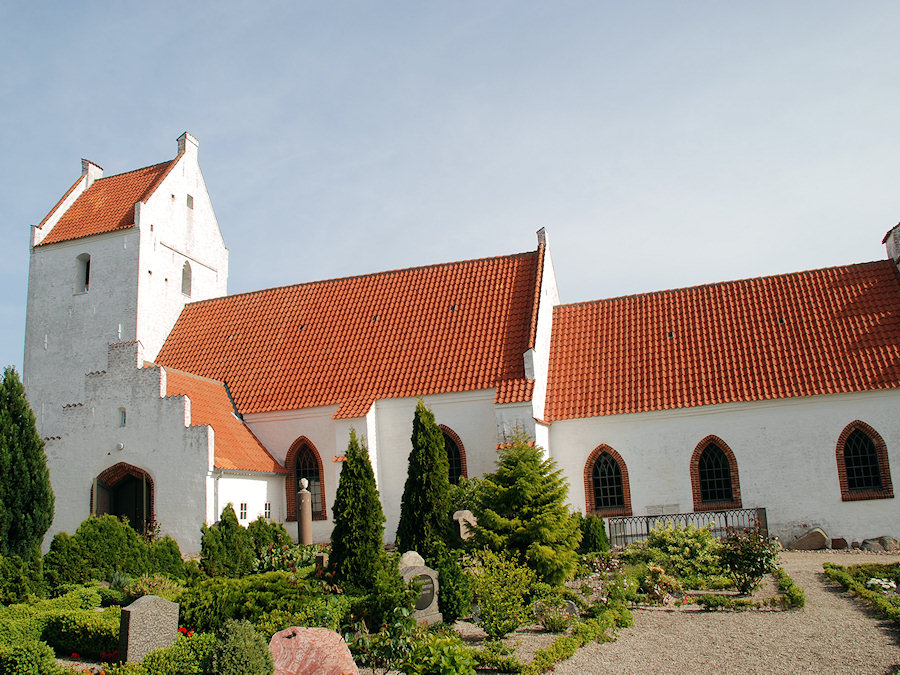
75 656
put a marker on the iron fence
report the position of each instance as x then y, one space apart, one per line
623 530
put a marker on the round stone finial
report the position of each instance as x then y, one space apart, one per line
304 483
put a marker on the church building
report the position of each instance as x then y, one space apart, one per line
162 398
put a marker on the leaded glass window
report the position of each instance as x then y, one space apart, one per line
861 460
454 458
306 466
607 479
715 475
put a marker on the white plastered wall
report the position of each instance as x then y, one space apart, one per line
155 438
253 489
785 452
537 359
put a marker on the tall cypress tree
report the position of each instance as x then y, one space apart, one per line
522 508
26 498
357 549
425 509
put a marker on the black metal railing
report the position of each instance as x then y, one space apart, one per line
623 530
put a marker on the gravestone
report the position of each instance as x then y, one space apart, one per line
311 651
813 540
465 521
426 607
148 623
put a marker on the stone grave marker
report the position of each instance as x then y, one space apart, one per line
465 521
426 608
311 651
148 623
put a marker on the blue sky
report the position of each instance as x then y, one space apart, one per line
661 144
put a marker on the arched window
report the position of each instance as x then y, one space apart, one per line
456 454
186 279
304 461
606 487
862 460
714 476
83 273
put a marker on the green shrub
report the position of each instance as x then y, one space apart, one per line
207 605
155 584
522 509
63 562
497 656
500 587
593 533
793 594
286 558
240 650
688 553
388 593
425 506
846 579
553 613
108 544
190 655
747 555
317 611
439 655
165 558
357 549
455 594
83 631
20 578
30 657
390 646
265 535
225 547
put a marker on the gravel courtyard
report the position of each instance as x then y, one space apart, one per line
834 633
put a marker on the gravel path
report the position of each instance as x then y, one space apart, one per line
834 633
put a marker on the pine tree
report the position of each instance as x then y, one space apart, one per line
425 509
26 497
226 550
357 551
522 509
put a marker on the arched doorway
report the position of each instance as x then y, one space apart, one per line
127 492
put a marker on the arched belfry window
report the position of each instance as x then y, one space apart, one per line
82 273
304 461
186 279
714 476
607 490
456 454
862 461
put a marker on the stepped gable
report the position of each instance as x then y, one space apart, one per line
452 327
824 331
236 447
108 204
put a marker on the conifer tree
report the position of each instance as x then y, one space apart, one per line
425 509
226 550
357 550
522 508
26 498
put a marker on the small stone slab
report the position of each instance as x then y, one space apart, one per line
814 540
311 651
839 544
148 623
465 520
872 545
411 559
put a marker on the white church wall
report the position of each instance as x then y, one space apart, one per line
67 329
785 452
254 490
154 438
177 224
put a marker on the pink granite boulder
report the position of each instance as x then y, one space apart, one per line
309 651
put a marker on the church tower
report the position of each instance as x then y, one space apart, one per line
116 260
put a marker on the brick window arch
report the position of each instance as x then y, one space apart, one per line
126 490
714 476
304 461
607 491
862 462
456 454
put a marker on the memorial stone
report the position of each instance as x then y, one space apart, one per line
311 651
426 607
148 623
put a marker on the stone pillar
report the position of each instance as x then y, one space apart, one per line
304 515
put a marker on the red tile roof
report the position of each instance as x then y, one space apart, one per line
108 204
819 332
235 445
452 327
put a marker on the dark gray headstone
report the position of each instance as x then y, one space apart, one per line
148 623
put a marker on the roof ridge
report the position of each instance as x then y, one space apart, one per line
143 168
318 282
727 282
